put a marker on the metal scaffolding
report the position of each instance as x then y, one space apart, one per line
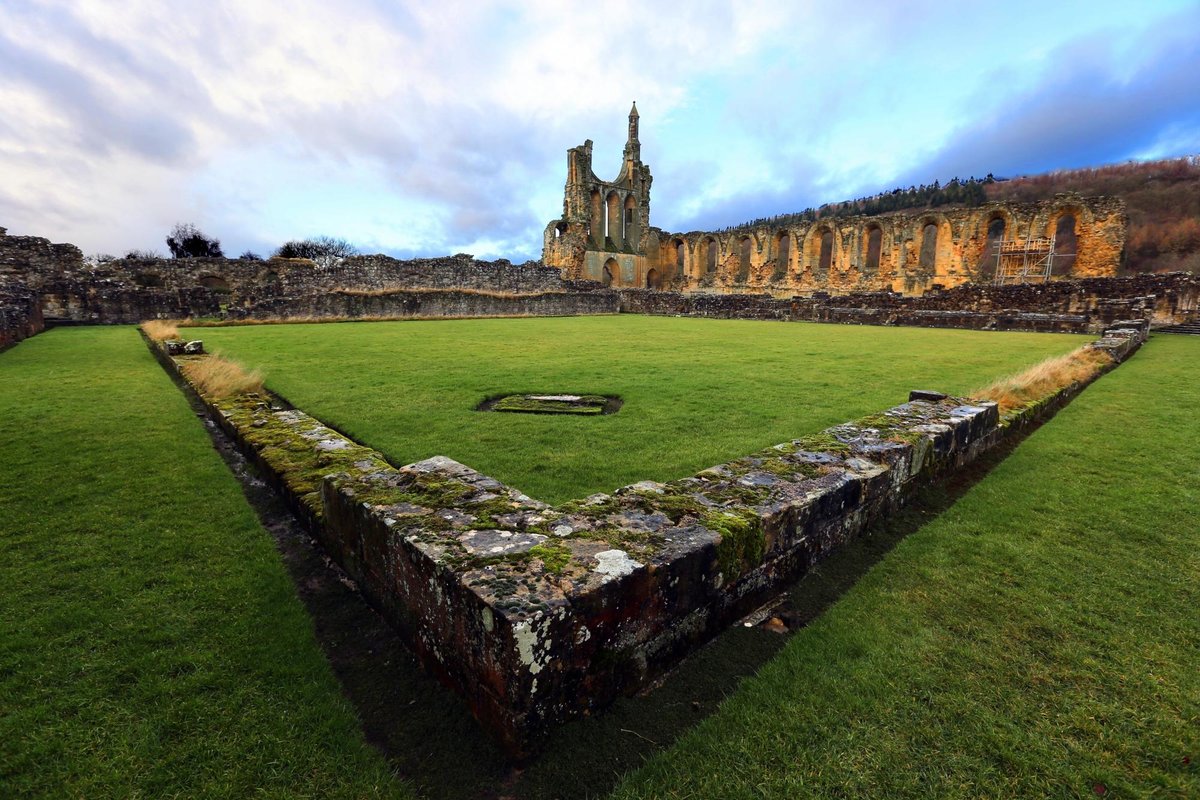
1024 261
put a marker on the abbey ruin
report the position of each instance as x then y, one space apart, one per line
605 235
537 614
1040 266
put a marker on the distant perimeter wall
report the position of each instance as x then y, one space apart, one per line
131 290
1078 306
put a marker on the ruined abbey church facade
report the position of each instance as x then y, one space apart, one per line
605 232
605 235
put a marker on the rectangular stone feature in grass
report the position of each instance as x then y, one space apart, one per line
537 614
587 404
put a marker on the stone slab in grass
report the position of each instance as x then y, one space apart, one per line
584 405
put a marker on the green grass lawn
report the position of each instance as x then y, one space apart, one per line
697 392
151 643
1039 639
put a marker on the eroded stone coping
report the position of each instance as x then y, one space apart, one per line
539 613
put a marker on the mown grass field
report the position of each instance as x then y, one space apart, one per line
1038 639
151 642
697 392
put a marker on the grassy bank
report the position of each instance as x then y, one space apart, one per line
1039 639
151 643
697 392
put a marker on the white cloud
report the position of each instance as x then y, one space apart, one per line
441 126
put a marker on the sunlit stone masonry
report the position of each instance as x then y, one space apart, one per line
605 235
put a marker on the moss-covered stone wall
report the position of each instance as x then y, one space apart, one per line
539 613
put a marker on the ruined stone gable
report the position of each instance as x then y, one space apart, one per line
605 235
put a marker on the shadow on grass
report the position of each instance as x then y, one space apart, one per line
426 732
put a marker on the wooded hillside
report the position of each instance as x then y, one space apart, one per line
1162 197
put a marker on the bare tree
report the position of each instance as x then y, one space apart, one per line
187 241
324 250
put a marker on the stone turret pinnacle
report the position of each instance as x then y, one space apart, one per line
633 148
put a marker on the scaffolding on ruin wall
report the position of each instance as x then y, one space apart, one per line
1024 260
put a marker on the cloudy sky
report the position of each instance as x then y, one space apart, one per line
425 128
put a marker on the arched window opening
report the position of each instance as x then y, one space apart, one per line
825 259
996 227
611 270
783 253
929 235
679 256
1065 245
710 255
995 234
630 232
874 249
652 280
612 226
215 282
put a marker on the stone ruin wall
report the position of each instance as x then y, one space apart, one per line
20 315
131 290
539 614
916 250
1086 305
604 233
20 304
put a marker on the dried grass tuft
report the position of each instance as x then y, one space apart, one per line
160 330
218 377
1042 380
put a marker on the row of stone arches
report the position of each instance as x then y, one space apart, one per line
613 219
611 271
863 248
818 253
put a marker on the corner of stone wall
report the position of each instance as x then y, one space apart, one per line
537 614
20 313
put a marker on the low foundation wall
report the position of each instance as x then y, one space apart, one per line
538 614
20 315
433 303
1082 306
